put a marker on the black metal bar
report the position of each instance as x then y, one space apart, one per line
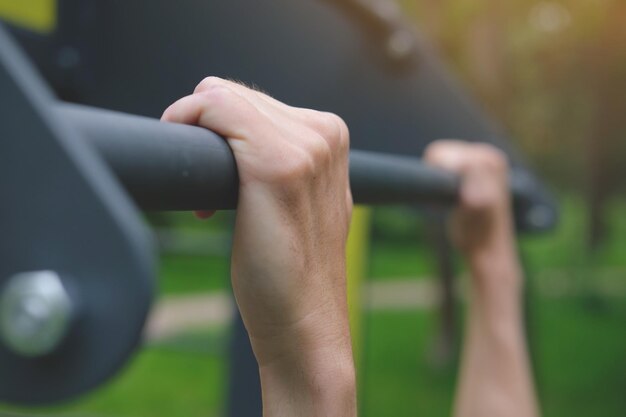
378 179
167 166
175 167
163 166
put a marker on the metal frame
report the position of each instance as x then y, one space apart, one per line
54 186
196 169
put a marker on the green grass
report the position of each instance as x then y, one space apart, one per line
162 383
184 376
579 342
157 384
394 261
398 377
580 358
580 354
192 274
566 247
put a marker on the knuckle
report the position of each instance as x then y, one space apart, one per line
437 152
320 152
492 158
343 132
296 166
334 130
208 83
219 93
340 125
305 163
432 151
440 148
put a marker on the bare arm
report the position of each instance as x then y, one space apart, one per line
288 264
495 377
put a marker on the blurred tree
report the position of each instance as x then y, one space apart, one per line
554 73
606 75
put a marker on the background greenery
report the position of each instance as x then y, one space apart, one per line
578 338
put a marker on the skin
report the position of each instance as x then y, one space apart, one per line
495 377
288 262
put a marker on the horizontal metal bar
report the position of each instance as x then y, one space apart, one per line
175 167
166 166
163 166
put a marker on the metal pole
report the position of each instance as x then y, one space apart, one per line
166 166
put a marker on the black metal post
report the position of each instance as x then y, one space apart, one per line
244 394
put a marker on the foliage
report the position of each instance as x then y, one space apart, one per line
553 73
578 338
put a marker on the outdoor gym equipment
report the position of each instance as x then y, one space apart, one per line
76 266
357 58
76 270
166 166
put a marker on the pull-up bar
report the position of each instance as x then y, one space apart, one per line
166 166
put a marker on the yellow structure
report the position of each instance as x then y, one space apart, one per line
357 252
37 15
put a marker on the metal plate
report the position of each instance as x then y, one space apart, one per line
62 211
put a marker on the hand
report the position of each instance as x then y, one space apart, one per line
483 218
495 376
482 224
288 262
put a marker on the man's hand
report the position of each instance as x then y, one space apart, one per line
495 377
288 264
482 219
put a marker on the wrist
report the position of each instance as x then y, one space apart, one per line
307 368
496 279
496 255
497 261
317 383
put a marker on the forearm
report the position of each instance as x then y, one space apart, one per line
309 376
496 377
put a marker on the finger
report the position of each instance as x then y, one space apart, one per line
263 102
219 109
253 94
203 215
451 155
475 191
326 124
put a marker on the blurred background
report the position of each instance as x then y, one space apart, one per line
553 73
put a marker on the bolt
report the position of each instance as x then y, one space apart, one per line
35 313
400 45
